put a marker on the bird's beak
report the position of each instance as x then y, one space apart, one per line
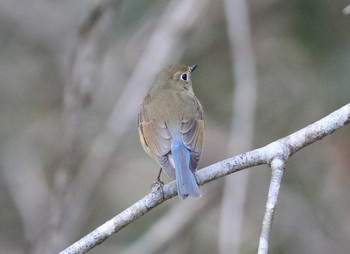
192 68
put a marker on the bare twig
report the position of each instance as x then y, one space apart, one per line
170 225
281 149
242 122
277 166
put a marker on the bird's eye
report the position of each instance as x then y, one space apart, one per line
184 76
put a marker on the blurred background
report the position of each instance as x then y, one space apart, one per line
72 74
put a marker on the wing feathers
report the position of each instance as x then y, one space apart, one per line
156 140
193 137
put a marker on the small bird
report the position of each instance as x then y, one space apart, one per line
171 126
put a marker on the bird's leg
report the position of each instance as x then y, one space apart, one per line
158 177
158 184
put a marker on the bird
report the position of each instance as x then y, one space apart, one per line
171 127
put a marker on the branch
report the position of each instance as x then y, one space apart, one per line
171 225
277 166
281 149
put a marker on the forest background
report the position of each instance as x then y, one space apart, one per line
69 159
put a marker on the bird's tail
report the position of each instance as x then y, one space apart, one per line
185 180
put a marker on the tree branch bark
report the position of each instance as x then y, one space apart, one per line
281 149
277 166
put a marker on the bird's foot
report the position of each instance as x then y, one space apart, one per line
157 185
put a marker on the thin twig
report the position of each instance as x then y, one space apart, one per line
277 166
281 149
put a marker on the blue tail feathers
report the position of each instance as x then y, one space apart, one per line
185 180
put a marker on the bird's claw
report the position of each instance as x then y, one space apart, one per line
157 185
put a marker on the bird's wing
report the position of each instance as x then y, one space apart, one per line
193 137
156 140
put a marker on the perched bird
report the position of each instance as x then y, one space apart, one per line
171 126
